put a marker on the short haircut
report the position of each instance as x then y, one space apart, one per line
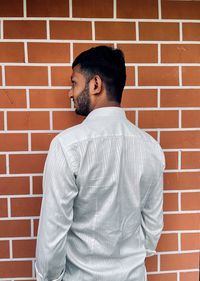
109 64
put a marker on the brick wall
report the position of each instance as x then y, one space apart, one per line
38 41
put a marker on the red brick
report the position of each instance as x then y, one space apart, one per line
171 160
158 119
168 242
11 269
115 31
139 53
181 221
191 75
182 180
3 207
12 8
153 134
179 261
65 119
81 30
4 246
191 31
60 75
2 164
139 98
162 277
138 10
130 76
41 141
41 98
24 29
190 118
35 223
37 185
180 9
13 98
180 98
130 115
88 9
1 120
48 52
170 202
180 139
47 8
32 120
81 47
158 31
0 76
13 142
190 241
15 228
21 207
191 276
151 263
190 201
158 75
24 248
29 163
26 76
180 53
190 160
14 185
11 52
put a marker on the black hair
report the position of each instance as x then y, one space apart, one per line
109 64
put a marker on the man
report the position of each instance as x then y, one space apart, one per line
101 213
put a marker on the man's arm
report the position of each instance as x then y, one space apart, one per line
152 216
59 191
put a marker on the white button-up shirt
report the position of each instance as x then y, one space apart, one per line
101 212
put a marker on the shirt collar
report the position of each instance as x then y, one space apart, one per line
110 111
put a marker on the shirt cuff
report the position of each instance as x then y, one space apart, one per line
39 276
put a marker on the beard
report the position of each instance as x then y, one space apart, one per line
83 102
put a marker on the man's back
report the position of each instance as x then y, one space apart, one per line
117 212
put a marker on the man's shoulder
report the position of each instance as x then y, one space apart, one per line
145 137
71 135
151 145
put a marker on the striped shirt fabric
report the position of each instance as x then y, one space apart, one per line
102 206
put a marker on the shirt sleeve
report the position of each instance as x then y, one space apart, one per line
152 216
56 215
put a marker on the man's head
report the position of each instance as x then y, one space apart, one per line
98 79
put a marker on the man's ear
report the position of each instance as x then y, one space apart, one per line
96 84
